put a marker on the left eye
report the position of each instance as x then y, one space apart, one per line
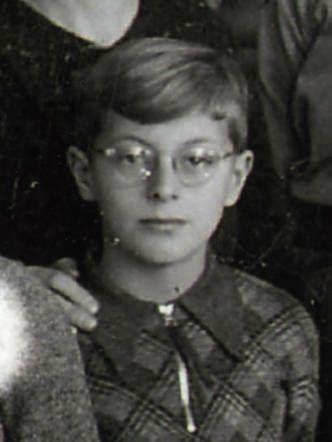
197 160
130 157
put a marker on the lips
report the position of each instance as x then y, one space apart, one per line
163 221
163 224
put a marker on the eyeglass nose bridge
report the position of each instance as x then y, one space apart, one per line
162 178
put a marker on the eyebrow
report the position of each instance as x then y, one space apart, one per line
189 143
132 138
197 141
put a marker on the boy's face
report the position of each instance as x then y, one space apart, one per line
161 188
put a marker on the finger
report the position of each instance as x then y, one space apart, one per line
73 291
77 316
68 266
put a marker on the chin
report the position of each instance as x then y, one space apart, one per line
159 258
166 254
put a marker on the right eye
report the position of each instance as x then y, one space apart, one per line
130 156
200 158
129 161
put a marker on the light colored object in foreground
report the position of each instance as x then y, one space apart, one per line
102 22
14 340
43 393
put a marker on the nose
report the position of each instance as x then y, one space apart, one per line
163 183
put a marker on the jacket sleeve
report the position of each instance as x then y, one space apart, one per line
295 43
43 393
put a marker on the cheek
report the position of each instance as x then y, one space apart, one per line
106 193
209 203
207 211
117 206
114 209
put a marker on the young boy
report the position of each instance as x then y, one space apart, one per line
186 348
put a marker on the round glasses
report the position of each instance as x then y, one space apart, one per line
132 164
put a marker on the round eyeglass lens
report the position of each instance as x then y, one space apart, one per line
130 164
197 165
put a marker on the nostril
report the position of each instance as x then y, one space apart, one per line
162 184
160 196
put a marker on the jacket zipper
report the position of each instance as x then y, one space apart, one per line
167 312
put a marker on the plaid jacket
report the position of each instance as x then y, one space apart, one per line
251 354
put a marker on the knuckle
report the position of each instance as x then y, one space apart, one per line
54 277
60 281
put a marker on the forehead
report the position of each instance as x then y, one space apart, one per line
191 128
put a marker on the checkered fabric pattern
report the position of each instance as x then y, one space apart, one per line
262 390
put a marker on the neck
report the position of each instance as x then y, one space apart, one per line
150 282
102 22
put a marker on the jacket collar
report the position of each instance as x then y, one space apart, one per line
222 311
214 301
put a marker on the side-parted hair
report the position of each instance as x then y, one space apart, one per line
154 80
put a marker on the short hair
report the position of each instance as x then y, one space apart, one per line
152 80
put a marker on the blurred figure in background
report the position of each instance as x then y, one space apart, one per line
295 66
295 71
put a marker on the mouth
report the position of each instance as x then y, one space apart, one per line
162 224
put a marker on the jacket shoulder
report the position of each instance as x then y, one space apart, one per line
276 315
264 297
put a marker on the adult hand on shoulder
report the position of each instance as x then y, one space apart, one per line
79 305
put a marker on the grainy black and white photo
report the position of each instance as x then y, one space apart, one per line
165 219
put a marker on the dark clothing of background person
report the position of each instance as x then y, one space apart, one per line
295 66
37 58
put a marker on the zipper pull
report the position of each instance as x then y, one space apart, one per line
167 312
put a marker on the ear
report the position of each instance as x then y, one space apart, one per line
242 166
79 165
